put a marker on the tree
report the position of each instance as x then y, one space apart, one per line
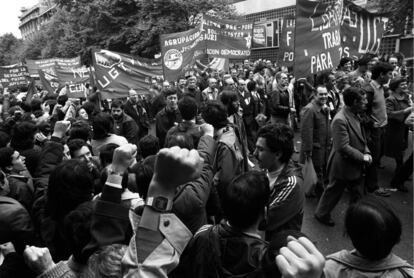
10 49
128 26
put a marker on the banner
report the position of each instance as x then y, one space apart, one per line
215 37
286 53
49 82
317 36
14 76
361 31
47 65
76 78
116 73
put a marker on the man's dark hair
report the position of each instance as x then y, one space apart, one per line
279 138
148 145
352 94
245 198
395 83
180 139
228 96
4 139
75 145
170 91
62 99
76 230
373 227
364 60
215 113
70 184
102 125
379 68
143 175
35 104
188 108
251 85
117 103
106 153
80 130
6 159
344 60
23 136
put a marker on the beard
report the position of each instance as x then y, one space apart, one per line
117 117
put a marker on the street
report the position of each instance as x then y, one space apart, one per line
332 239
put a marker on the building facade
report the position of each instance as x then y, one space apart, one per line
268 13
32 19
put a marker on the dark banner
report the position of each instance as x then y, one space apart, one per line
317 36
47 65
286 54
116 73
14 76
180 52
361 31
49 82
76 78
215 37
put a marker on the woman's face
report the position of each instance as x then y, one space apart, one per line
83 114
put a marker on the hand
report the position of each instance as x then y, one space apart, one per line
7 248
38 259
300 259
207 129
175 166
368 158
60 129
123 158
45 108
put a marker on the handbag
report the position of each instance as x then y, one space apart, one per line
309 177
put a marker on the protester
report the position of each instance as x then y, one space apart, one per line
168 116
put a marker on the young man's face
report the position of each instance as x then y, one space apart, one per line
394 62
116 112
18 162
361 105
284 80
265 157
172 102
83 154
133 96
385 77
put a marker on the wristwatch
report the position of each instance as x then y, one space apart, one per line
160 203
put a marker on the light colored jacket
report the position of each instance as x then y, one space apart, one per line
344 264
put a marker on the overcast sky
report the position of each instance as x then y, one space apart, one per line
9 12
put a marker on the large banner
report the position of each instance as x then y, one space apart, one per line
14 76
76 78
48 65
215 37
116 73
318 39
286 54
266 34
361 31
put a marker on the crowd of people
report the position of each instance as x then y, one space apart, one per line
196 178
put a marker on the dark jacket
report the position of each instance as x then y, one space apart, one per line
15 224
187 127
139 113
346 160
164 120
49 232
221 251
315 134
286 202
192 197
396 131
128 128
280 107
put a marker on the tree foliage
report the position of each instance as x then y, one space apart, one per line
10 49
128 26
